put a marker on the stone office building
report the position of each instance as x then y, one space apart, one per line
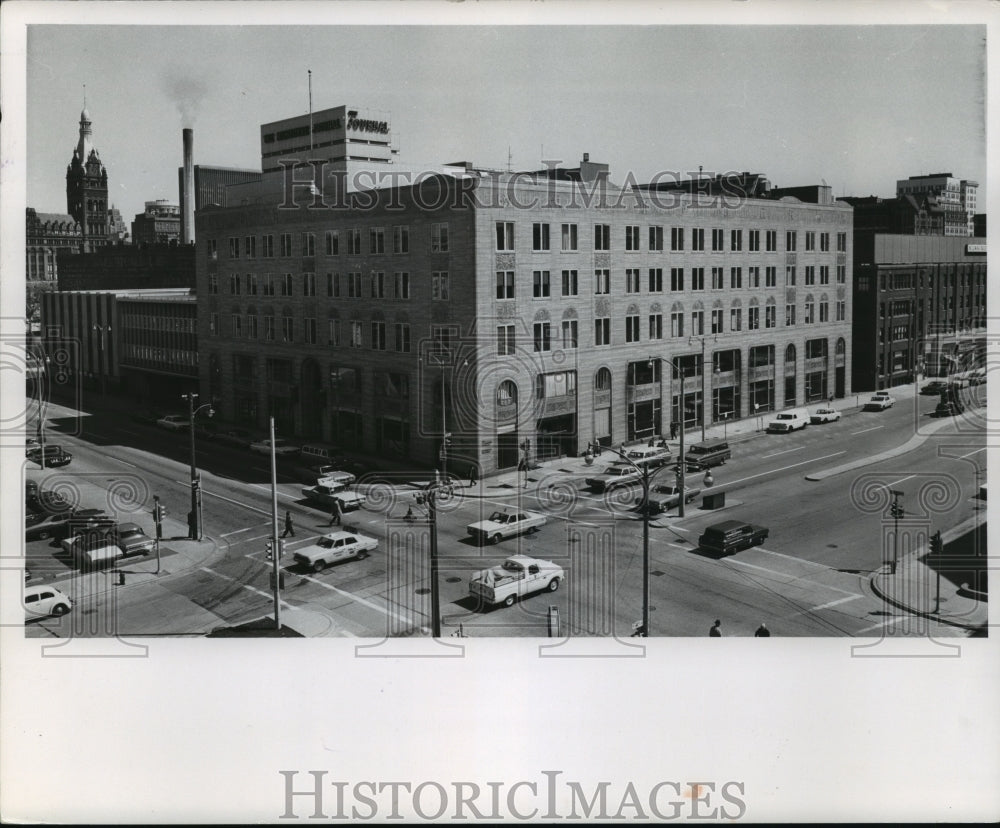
511 311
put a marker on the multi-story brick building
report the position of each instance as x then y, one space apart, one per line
919 306
554 309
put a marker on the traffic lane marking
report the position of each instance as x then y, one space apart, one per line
784 468
838 601
245 586
798 579
363 601
865 430
895 619
784 451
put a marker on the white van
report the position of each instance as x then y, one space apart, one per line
319 454
789 420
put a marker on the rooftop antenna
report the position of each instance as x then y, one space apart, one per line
310 71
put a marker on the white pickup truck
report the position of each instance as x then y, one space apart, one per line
336 546
502 525
515 578
329 489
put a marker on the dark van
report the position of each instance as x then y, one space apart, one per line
732 536
712 452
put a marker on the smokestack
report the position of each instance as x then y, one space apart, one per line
187 193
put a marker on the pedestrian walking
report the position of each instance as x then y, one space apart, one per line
334 513
473 475
121 578
650 443
716 631
289 529
673 429
762 631
621 448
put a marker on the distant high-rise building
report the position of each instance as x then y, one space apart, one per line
210 185
87 188
160 223
957 198
117 228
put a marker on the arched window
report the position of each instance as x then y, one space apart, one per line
602 379
790 353
506 393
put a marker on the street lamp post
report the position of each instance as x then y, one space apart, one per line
429 498
194 524
897 512
647 479
702 338
41 374
102 330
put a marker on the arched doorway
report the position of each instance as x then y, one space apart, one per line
790 377
840 364
505 412
602 406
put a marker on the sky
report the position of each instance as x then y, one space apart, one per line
855 106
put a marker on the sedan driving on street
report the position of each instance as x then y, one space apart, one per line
336 546
617 474
503 524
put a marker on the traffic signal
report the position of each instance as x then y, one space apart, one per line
937 545
896 510
281 549
269 546
447 438
159 512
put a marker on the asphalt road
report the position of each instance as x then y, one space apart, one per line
808 579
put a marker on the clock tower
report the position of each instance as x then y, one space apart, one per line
87 189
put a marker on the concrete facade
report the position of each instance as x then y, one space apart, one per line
587 338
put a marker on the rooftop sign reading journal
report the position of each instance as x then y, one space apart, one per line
975 248
366 124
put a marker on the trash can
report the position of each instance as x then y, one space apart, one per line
716 500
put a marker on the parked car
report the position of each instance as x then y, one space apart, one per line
60 524
504 524
788 421
55 455
824 415
133 540
234 437
281 446
336 546
42 601
879 401
147 416
173 422
40 502
617 474
667 496
948 408
732 536
934 387
708 453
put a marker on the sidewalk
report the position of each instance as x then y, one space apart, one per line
549 472
914 587
176 555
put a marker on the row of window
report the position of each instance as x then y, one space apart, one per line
569 238
335 241
695 280
376 285
545 334
164 356
154 322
